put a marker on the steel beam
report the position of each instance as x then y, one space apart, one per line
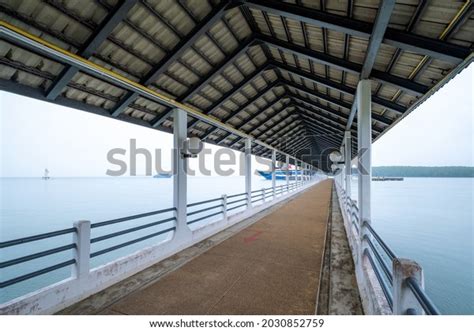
384 12
407 41
105 28
336 86
344 65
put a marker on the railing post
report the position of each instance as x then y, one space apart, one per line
404 301
263 195
273 172
180 182
224 207
364 166
82 239
248 171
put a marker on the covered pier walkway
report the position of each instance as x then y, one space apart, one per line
272 266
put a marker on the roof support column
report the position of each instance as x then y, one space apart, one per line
364 166
180 183
248 171
287 172
273 171
347 161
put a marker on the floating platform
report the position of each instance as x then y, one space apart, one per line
384 179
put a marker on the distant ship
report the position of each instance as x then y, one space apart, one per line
280 174
46 175
163 175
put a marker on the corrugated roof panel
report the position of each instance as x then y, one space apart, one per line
406 63
141 17
402 14
233 74
194 60
199 101
223 36
335 43
223 83
276 25
365 10
118 55
211 92
174 14
384 57
237 23
436 18
170 84
434 72
315 37
209 50
358 46
245 65
198 8
146 50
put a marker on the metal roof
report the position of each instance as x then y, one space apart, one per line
269 69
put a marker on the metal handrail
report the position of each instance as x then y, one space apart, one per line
385 288
136 228
421 297
236 201
130 242
203 210
36 273
129 218
34 256
203 202
24 240
385 247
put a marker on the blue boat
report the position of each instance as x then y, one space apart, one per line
280 174
163 175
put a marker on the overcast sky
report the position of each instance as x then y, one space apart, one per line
37 135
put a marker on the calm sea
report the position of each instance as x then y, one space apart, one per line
426 219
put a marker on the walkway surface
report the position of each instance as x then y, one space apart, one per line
271 267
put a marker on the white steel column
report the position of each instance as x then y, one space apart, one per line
248 171
273 171
180 185
364 135
347 161
287 171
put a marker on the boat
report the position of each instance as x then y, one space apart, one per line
46 175
280 174
163 175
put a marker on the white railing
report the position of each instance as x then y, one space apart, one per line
387 284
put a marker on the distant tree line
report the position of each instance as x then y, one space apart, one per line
407 171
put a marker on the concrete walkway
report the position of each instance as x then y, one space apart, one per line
270 267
